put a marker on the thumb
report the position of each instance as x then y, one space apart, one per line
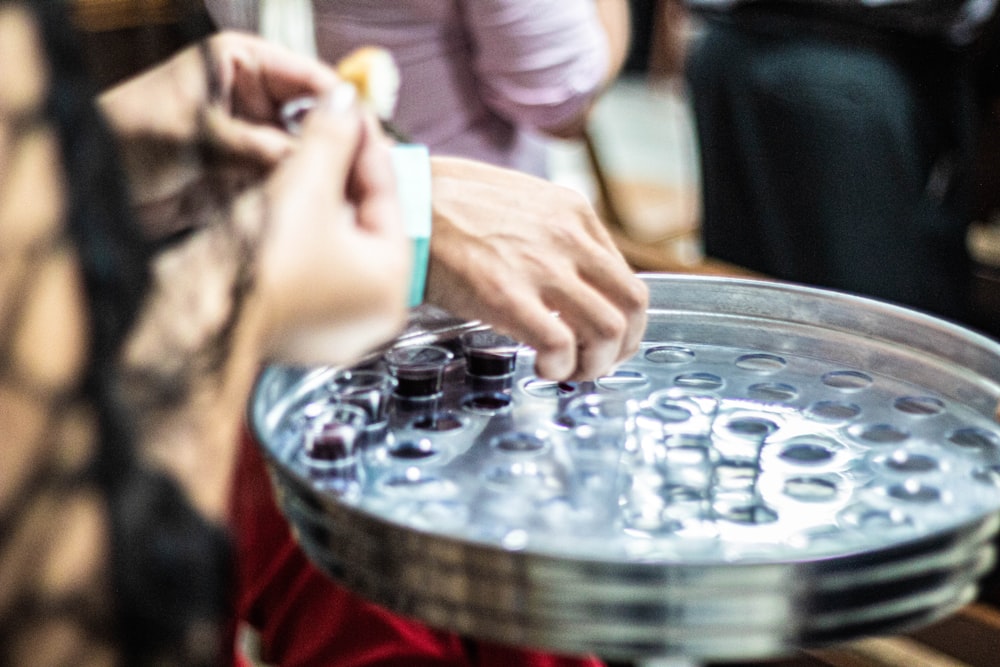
330 137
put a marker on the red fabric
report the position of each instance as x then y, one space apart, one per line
306 620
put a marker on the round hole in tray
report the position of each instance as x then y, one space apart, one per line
921 406
489 403
903 461
669 354
807 452
519 442
413 450
810 489
761 363
880 434
438 422
989 475
623 380
773 391
539 388
978 439
833 411
753 428
702 380
912 491
847 380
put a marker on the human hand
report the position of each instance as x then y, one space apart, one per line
212 111
512 250
311 267
337 262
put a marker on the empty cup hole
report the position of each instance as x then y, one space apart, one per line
833 411
914 492
540 388
623 381
847 380
911 463
706 381
669 354
924 406
519 443
772 391
438 422
989 475
413 449
761 363
882 434
756 428
807 453
488 402
974 438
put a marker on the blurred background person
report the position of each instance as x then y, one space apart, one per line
486 79
837 141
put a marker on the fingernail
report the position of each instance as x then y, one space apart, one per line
340 99
294 112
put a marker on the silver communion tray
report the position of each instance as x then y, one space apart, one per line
797 467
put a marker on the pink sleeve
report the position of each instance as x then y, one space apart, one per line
539 62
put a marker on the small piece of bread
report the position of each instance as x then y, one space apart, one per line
373 72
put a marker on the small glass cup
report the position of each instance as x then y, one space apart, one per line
611 416
688 461
369 390
596 466
418 370
489 354
734 493
603 431
330 450
683 413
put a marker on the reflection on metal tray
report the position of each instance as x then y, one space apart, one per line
795 467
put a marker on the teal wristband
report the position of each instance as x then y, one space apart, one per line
412 165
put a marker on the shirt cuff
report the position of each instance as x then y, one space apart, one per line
412 165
